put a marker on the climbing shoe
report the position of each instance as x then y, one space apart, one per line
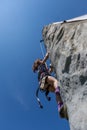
60 106
63 112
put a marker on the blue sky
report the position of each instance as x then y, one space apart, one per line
21 24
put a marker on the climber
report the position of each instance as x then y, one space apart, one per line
46 81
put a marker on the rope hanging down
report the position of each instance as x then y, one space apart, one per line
37 97
38 100
38 89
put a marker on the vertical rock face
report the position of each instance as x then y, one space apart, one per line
67 43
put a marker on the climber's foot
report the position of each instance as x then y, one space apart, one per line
63 111
60 106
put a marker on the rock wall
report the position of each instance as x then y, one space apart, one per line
67 44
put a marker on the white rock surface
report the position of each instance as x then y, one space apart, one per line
67 43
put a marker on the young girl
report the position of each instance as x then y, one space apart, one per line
46 81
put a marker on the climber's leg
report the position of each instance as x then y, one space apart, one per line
52 85
58 99
61 107
54 88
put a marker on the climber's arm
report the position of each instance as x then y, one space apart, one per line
45 58
51 69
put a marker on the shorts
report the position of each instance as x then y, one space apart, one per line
43 83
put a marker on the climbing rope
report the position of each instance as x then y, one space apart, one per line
38 89
41 49
38 100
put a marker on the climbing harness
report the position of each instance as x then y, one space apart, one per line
42 71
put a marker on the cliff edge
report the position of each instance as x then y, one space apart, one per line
67 43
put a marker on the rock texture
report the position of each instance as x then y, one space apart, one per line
67 43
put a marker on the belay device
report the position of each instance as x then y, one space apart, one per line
46 94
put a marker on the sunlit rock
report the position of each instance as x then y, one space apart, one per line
67 43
